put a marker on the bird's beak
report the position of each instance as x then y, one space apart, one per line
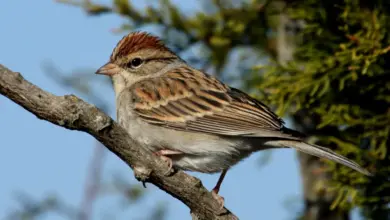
108 69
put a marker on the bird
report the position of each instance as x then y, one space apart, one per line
189 118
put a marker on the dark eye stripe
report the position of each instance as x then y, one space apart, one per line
136 62
161 59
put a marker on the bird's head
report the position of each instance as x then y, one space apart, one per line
136 56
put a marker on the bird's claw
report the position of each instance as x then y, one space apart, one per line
167 160
169 163
220 200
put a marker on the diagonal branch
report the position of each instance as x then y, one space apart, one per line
73 113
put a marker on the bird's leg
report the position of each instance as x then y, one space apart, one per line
163 154
215 190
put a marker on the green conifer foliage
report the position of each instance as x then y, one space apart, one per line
340 79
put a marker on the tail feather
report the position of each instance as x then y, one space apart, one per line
319 151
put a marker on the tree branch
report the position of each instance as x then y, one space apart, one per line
73 113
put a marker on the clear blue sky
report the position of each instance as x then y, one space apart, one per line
39 158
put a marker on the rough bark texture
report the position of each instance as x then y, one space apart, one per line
73 113
316 202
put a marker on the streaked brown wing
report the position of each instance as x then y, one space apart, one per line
193 101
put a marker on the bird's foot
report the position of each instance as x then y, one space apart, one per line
220 199
169 162
163 154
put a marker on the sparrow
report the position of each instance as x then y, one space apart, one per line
190 119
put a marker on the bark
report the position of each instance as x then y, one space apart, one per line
316 202
73 113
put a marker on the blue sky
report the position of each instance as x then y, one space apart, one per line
39 158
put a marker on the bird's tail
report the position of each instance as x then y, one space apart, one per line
318 151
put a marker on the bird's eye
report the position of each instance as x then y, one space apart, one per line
136 62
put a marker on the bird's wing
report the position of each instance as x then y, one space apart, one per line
189 100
